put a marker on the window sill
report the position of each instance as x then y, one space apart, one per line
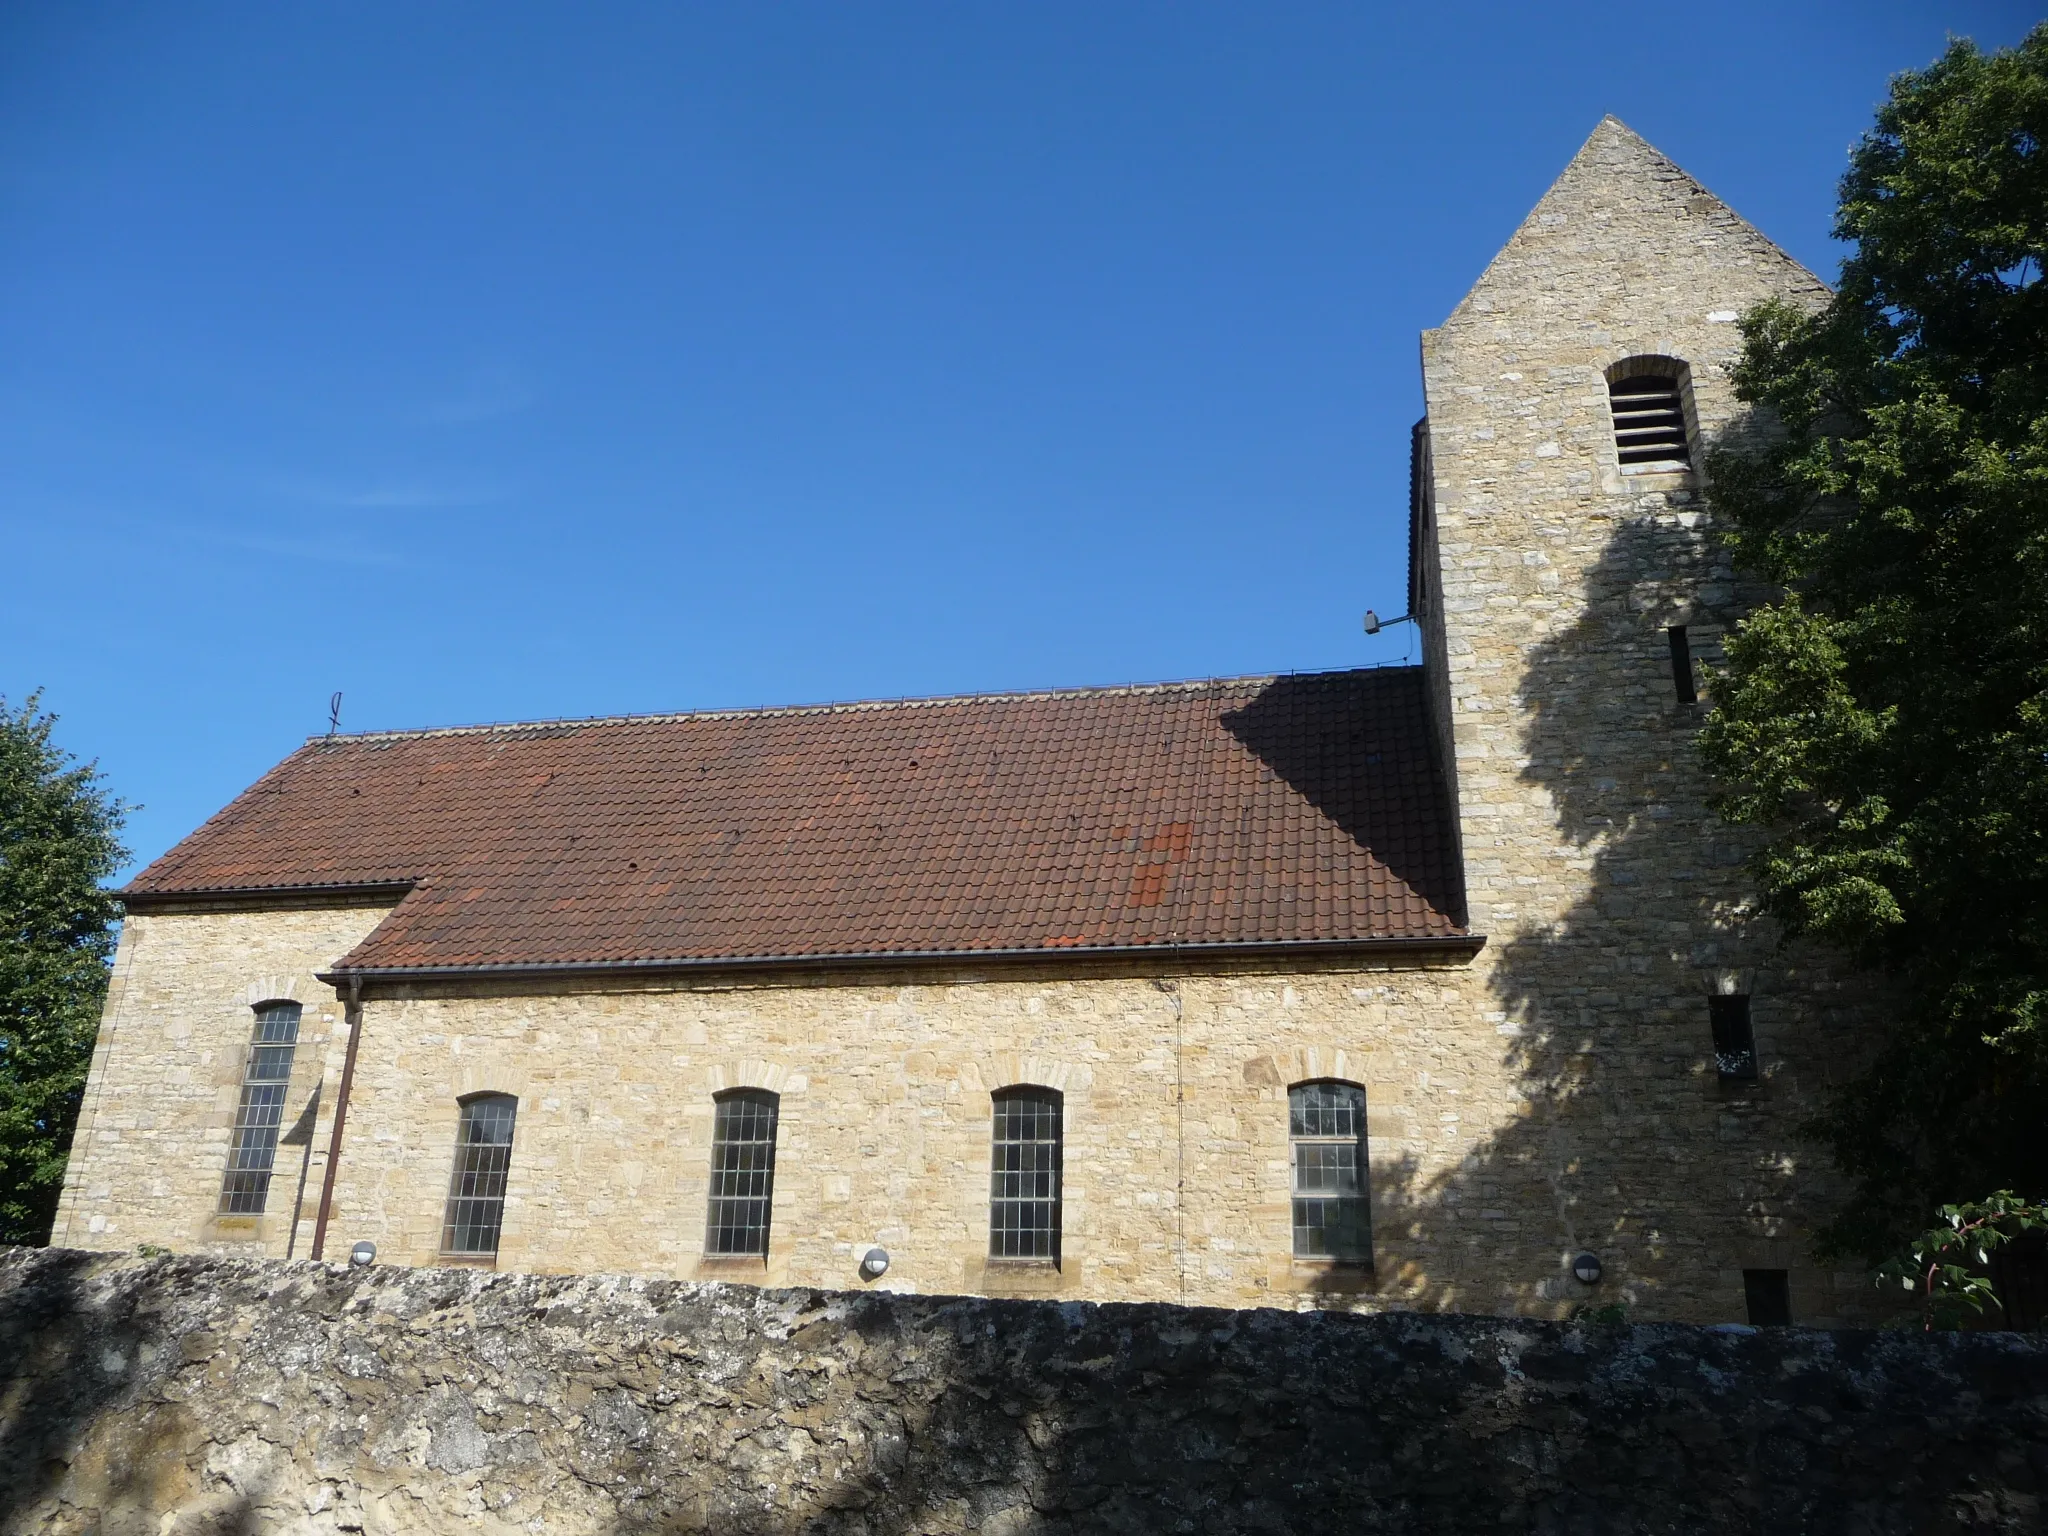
467 1260
1021 1277
1326 1277
732 1263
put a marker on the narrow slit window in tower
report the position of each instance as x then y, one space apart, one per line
1769 1295
1734 1039
1681 665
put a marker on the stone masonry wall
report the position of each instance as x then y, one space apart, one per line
166 1077
1175 1092
202 1395
1614 901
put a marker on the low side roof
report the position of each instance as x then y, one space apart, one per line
1245 811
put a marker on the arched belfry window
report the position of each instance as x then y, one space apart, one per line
266 1077
742 1173
1332 1206
1024 1175
1648 397
483 1162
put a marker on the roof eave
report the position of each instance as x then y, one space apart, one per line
1445 946
352 893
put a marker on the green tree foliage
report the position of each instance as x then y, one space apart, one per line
1886 718
59 842
1948 1270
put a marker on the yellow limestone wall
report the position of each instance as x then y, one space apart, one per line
1176 1127
152 1139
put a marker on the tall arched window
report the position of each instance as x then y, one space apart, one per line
1332 1208
742 1173
1024 1175
1647 396
483 1159
265 1079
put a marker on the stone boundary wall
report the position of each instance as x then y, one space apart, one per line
192 1394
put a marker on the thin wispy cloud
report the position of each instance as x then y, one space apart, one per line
485 394
325 551
334 546
389 495
407 498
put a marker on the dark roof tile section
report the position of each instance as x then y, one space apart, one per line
1246 811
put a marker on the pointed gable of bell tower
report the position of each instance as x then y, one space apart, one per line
1617 229
1618 292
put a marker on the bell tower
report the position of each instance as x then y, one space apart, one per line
1570 589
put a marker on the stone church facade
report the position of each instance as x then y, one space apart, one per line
1407 987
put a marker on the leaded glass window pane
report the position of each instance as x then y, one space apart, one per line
742 1174
483 1159
1332 1205
1024 1180
252 1149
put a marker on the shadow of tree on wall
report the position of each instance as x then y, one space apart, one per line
1627 1142
77 1357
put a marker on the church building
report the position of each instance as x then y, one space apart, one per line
1432 987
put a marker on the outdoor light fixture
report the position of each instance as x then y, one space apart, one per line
874 1264
1586 1269
363 1255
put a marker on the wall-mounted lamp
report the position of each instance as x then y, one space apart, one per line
1374 623
874 1264
363 1255
1586 1269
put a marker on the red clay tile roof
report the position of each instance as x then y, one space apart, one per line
1247 811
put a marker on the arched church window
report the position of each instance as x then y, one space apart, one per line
1332 1207
252 1150
483 1161
1647 397
1024 1175
742 1173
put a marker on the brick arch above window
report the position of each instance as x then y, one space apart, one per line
275 989
774 1077
1018 1069
475 1078
1306 1063
1661 355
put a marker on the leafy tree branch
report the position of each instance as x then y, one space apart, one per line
1886 716
59 844
1948 1269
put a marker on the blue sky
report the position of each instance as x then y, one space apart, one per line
514 361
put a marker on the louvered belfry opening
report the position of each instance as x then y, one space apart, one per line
1649 420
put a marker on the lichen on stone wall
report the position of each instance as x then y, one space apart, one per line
196 1394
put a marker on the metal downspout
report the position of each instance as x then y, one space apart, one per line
353 1016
